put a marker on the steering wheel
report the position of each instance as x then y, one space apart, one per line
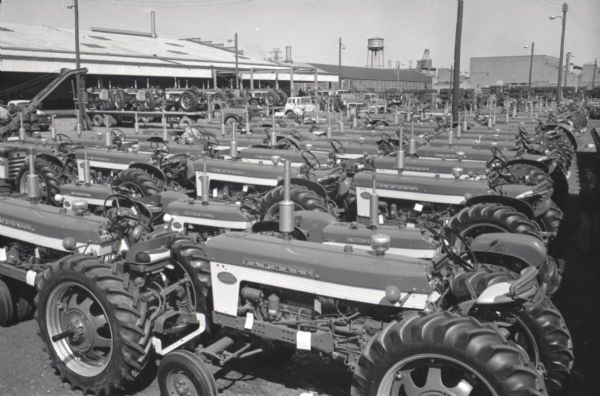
123 217
296 134
178 160
117 136
159 148
311 160
449 248
286 143
337 146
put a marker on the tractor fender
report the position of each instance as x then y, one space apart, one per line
537 164
311 185
570 137
51 159
151 169
515 203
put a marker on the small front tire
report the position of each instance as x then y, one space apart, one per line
183 373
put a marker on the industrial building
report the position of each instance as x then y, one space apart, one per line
363 78
514 70
29 53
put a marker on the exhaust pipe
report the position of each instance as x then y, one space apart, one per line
33 182
400 153
86 167
204 183
412 145
21 128
107 138
374 207
233 145
52 128
286 207
273 137
247 121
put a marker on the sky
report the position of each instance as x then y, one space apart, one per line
312 27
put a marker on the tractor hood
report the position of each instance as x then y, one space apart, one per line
457 191
47 226
213 214
444 166
320 269
94 194
96 156
324 228
238 169
467 153
265 154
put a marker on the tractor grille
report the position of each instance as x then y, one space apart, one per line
15 161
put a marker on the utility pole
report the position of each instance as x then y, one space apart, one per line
340 64
565 8
457 39
80 119
594 75
237 80
530 69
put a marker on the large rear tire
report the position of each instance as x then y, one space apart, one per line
540 330
551 220
7 305
484 218
136 183
113 333
443 353
49 181
303 198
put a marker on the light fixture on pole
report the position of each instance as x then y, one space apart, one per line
80 114
565 8
340 48
235 41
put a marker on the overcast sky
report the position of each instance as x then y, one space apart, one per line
312 27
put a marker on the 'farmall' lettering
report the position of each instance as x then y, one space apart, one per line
392 186
16 224
227 171
198 214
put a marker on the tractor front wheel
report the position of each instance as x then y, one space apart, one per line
93 323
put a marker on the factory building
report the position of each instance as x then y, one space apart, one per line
514 70
30 55
367 78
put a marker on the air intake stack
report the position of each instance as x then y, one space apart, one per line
286 207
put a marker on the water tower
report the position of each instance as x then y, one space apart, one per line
375 52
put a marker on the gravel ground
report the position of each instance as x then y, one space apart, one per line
24 369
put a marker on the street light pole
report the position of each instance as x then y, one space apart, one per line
456 85
80 122
340 63
237 80
594 75
530 69
565 8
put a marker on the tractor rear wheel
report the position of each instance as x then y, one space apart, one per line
551 219
7 305
443 353
136 183
98 120
103 321
303 198
188 101
49 180
540 329
484 218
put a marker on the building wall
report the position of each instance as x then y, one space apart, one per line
379 85
486 71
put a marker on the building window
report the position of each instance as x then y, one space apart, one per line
92 45
177 52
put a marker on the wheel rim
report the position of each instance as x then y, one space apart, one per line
179 384
72 306
43 187
433 375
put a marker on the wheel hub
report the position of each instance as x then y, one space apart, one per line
77 321
182 385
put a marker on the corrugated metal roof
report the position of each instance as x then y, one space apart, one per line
366 73
39 40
